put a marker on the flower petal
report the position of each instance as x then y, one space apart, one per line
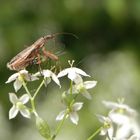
17 85
37 74
72 75
110 132
13 112
77 106
23 72
60 116
55 79
103 131
25 113
47 81
119 118
79 71
47 73
24 98
74 117
110 105
33 78
123 131
78 79
90 84
101 118
29 77
87 94
63 72
134 137
12 77
13 98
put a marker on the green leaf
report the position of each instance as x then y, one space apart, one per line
43 128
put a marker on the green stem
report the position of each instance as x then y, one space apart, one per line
31 98
73 100
38 89
71 82
64 118
26 89
60 125
33 107
95 133
66 112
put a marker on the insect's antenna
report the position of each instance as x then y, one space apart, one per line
60 53
65 33
47 37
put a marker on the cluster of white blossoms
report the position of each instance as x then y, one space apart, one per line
78 87
121 122
20 78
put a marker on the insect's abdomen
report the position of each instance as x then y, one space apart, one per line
17 65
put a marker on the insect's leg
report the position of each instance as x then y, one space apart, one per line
39 62
48 54
38 59
44 53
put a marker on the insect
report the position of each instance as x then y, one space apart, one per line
32 53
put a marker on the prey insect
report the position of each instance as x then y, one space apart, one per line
31 54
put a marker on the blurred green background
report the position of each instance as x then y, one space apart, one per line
108 49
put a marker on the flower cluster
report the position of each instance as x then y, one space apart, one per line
121 122
78 87
20 78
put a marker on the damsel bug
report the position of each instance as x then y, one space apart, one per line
32 53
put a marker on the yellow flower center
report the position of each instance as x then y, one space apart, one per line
20 105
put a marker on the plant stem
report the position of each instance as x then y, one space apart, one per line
60 124
33 107
64 118
71 82
95 133
38 89
25 87
31 98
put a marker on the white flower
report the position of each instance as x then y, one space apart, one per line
107 128
72 113
120 113
48 74
81 87
134 137
124 118
136 128
114 106
18 106
18 78
72 73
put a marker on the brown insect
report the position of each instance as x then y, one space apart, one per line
32 53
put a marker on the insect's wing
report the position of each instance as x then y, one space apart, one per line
19 61
23 54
